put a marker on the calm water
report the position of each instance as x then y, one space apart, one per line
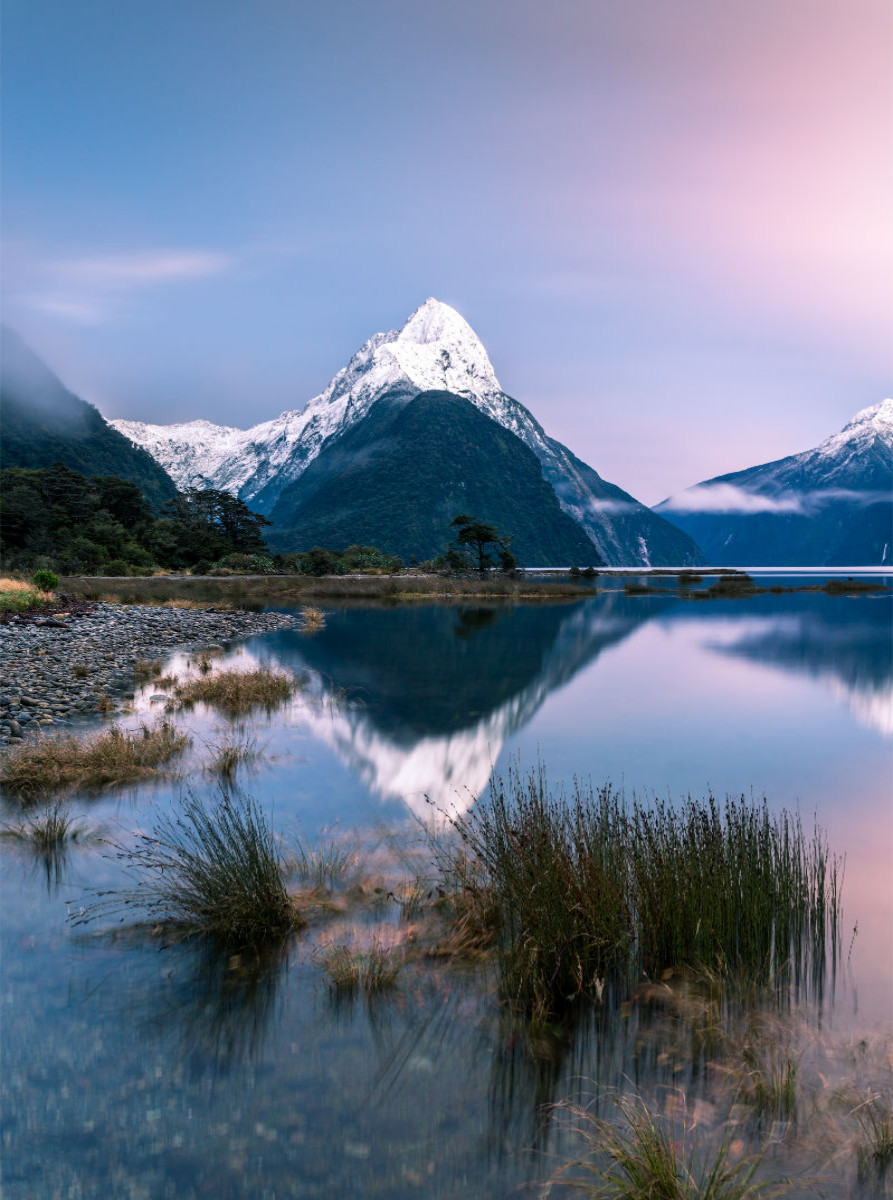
137 1071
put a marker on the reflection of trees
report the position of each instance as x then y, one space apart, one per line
472 620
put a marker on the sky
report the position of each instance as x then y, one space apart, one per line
670 223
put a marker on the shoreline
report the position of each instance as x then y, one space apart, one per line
54 675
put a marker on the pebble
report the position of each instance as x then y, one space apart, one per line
39 688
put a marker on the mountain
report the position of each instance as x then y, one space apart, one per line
43 423
831 506
397 478
435 351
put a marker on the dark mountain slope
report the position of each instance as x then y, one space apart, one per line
624 531
41 422
830 506
397 478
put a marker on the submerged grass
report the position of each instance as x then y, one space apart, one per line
215 871
52 763
48 831
231 752
312 619
238 692
770 1082
642 1156
875 1148
350 970
326 865
572 889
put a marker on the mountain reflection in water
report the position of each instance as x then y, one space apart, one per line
428 696
854 657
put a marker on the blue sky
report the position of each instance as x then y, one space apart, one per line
669 223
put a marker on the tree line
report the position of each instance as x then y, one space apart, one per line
54 518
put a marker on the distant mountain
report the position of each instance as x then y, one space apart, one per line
41 422
435 351
398 477
831 506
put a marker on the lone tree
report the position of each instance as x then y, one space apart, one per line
482 540
203 523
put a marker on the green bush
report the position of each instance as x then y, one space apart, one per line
45 581
117 567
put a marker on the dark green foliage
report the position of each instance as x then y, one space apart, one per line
103 525
398 477
583 887
78 524
354 560
482 542
205 523
47 581
43 423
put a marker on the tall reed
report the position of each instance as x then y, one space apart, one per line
576 888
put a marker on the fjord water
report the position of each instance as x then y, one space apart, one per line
135 1070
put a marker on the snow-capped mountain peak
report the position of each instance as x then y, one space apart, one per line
437 346
869 429
435 349
875 421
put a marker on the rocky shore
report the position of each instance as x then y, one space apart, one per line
58 670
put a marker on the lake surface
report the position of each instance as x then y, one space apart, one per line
134 1070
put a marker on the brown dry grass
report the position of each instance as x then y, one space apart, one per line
238 692
115 756
239 590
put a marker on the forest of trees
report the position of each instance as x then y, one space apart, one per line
59 519
54 518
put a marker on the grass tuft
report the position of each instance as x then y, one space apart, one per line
231 753
875 1149
215 871
770 1083
573 889
18 596
349 970
47 832
238 692
52 763
144 669
644 1157
312 619
326 865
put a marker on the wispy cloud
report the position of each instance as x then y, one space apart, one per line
726 498
88 288
126 271
612 507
